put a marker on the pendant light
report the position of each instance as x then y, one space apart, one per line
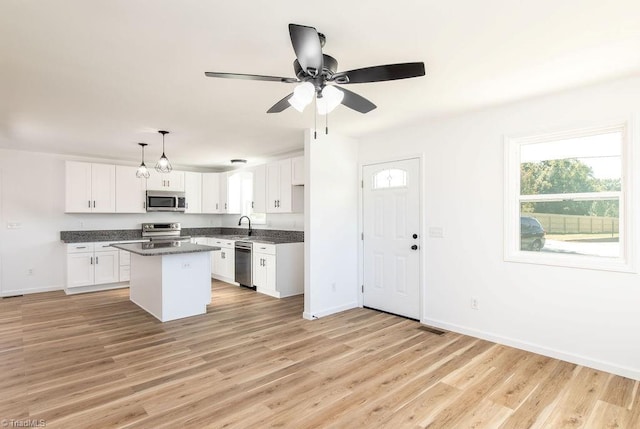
143 171
163 165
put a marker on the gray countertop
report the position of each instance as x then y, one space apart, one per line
253 239
164 248
259 235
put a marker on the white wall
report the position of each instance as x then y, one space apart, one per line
584 316
331 224
32 194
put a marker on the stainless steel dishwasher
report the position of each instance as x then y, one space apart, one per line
244 263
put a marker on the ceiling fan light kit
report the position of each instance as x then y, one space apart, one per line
317 74
163 165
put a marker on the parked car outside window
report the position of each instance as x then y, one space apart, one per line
531 234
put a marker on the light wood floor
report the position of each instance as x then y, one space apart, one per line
98 361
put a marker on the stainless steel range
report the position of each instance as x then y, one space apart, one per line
163 232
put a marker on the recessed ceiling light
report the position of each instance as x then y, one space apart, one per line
238 161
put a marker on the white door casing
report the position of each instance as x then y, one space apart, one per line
391 226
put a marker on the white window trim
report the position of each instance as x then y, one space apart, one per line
512 199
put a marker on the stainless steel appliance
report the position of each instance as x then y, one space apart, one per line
244 263
163 232
165 201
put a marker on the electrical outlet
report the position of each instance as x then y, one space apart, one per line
474 304
186 265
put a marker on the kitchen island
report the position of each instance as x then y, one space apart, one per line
170 280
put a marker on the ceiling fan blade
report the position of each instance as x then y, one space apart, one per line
252 77
306 45
356 102
281 105
380 73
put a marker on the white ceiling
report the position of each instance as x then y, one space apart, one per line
94 77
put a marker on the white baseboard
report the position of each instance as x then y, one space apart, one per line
633 373
96 288
28 291
329 311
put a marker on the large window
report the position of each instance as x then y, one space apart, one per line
567 199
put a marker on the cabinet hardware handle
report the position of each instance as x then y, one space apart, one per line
222 255
94 204
216 206
186 205
91 262
96 260
89 202
144 205
169 183
275 203
225 206
81 247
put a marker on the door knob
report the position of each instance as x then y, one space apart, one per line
414 247
415 235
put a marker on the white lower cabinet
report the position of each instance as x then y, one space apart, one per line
95 266
223 261
278 269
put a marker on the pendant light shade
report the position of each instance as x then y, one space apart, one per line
163 165
143 171
302 96
331 98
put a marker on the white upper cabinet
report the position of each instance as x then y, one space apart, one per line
223 193
211 193
259 201
193 192
282 196
172 181
90 188
130 190
297 170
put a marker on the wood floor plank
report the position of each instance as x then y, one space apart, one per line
97 360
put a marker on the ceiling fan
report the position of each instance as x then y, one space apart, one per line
316 73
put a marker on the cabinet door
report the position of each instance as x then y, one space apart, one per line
210 193
224 193
103 188
259 270
156 181
174 181
80 269
77 187
269 265
284 200
193 192
273 187
259 201
297 170
107 267
130 190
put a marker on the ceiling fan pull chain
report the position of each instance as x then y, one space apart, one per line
326 124
315 118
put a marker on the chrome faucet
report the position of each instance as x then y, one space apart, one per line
240 221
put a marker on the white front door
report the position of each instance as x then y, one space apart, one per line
391 224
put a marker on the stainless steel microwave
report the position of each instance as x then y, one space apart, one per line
165 201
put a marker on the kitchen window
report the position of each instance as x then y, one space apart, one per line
567 199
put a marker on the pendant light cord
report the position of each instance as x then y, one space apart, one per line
315 117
